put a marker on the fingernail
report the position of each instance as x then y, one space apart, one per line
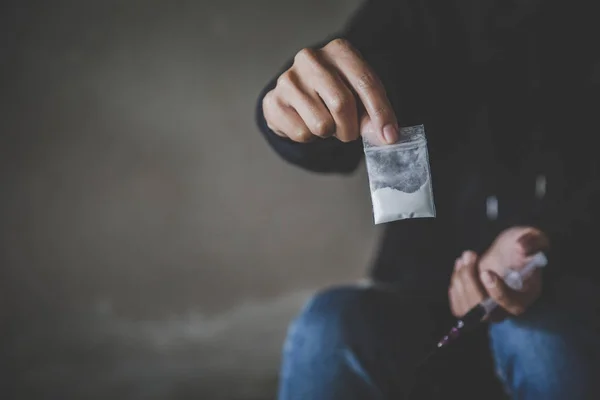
465 257
488 279
390 133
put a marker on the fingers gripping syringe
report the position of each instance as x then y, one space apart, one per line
514 279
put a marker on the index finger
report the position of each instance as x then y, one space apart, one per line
367 86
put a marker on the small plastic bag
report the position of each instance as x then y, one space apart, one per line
400 177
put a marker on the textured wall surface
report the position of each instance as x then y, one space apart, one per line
152 246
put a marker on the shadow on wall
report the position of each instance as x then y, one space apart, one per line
152 246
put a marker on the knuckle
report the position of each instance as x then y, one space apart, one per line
306 55
270 101
302 136
322 127
340 45
340 104
366 81
271 108
285 80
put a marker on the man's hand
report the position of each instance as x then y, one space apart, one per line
330 92
466 290
473 279
513 248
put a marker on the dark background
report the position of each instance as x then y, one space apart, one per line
152 246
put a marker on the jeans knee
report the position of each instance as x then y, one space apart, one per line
318 362
326 320
352 342
537 356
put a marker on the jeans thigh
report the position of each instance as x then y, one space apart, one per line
553 350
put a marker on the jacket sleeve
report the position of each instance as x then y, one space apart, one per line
373 31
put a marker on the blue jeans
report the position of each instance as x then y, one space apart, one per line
365 343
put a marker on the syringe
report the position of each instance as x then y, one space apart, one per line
513 279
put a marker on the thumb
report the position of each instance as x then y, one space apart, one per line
369 130
533 241
501 293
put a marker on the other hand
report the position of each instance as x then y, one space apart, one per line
327 92
512 249
470 285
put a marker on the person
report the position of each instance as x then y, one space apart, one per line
508 92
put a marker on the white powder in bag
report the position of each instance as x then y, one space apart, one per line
399 177
391 204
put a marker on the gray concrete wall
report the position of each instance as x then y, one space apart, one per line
152 246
